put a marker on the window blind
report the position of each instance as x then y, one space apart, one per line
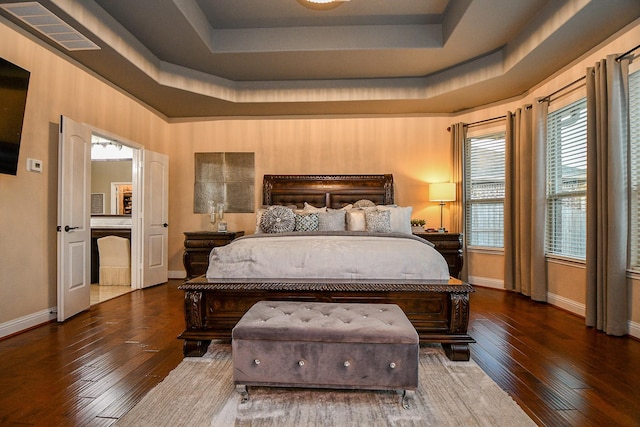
485 187
634 169
567 181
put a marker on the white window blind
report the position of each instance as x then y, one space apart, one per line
485 172
634 122
567 181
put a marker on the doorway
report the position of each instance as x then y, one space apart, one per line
149 217
111 206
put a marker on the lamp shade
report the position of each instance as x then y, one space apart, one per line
442 192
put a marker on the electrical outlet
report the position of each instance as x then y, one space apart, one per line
34 165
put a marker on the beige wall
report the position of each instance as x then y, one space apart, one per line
414 149
29 200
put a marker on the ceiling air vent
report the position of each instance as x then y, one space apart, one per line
41 19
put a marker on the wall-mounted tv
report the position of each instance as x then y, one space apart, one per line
14 82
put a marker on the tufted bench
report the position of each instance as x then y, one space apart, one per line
325 345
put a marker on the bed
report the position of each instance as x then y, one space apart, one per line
436 304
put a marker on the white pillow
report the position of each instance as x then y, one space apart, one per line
311 208
400 217
356 220
258 219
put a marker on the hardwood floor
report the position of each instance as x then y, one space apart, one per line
559 371
92 369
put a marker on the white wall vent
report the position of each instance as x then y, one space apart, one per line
44 21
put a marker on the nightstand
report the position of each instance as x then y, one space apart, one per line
198 245
450 246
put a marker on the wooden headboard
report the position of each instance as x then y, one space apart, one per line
333 191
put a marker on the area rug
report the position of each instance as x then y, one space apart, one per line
200 392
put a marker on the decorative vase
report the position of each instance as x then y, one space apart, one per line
212 214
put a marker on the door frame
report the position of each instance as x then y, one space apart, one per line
136 181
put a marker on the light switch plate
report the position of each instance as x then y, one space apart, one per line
34 165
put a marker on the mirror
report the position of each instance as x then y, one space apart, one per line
111 177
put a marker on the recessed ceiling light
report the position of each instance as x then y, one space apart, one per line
321 4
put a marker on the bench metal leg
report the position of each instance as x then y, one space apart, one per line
244 392
407 398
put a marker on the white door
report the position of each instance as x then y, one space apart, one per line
74 229
155 221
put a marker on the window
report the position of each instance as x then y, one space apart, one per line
567 181
634 122
485 187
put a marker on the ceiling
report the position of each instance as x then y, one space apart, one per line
208 58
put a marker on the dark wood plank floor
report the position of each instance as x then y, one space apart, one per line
559 371
93 368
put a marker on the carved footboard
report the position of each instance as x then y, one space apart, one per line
439 310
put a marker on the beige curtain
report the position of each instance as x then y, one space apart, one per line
523 243
607 203
458 136
539 286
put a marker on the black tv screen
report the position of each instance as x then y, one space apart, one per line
14 82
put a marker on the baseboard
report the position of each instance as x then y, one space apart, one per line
177 274
26 322
567 304
486 282
553 299
634 329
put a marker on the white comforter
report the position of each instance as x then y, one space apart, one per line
327 256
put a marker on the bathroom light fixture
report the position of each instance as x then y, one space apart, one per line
442 192
321 4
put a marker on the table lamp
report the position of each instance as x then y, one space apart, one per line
442 192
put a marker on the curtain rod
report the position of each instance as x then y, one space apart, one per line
627 53
480 121
548 97
487 120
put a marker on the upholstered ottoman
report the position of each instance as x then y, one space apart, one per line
325 345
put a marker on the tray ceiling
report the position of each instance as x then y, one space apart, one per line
206 58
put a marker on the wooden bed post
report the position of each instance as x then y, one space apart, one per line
194 317
459 319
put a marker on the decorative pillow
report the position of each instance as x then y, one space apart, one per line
356 220
400 217
378 221
259 214
307 222
332 220
311 208
278 219
364 203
